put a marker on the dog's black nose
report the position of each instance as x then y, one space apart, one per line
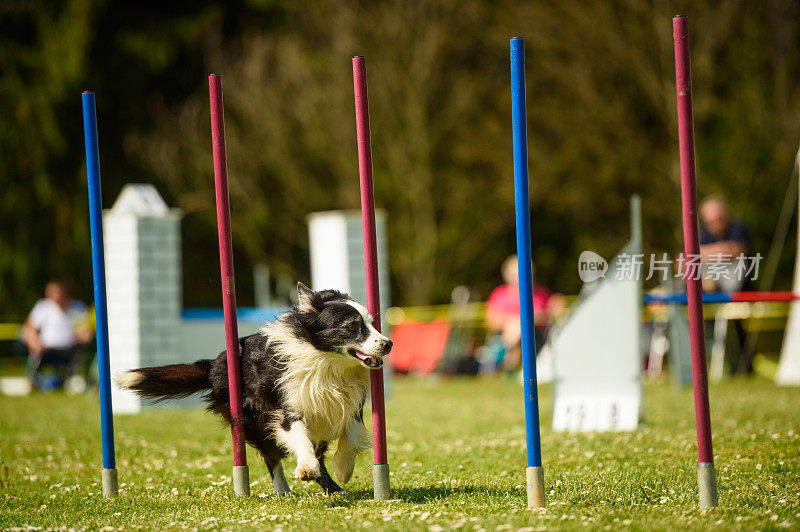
386 345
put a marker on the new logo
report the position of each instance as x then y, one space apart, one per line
591 266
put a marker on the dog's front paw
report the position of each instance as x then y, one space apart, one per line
343 464
308 469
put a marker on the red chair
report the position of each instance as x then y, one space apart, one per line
418 347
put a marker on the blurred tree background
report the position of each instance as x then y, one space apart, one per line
601 110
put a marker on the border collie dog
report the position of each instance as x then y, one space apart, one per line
304 382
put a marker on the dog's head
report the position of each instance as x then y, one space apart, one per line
335 323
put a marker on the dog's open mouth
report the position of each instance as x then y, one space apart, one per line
369 361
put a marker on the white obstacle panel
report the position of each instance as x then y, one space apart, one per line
789 366
337 254
592 413
597 355
143 272
597 361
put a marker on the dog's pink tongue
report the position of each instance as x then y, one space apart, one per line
363 357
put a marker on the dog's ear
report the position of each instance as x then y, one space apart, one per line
305 297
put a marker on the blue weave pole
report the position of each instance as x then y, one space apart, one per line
109 473
534 472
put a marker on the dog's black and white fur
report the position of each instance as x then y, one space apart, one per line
304 378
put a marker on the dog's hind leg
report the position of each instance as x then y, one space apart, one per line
325 480
272 457
278 479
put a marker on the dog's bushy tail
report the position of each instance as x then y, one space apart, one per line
167 382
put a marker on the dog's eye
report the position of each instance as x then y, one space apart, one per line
351 327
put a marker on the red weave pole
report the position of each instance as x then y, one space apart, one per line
226 269
691 239
370 249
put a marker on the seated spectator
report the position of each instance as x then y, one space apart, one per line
503 314
53 332
722 240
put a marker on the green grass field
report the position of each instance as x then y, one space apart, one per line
457 455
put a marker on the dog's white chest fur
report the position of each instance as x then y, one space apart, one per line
327 398
326 389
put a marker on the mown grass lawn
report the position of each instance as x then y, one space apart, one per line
457 459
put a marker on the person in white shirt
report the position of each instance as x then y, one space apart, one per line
52 332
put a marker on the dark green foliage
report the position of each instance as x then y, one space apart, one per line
601 124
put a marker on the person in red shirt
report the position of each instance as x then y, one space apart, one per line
502 312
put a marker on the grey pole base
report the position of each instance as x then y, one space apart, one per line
279 481
241 481
707 485
535 478
380 482
109 481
